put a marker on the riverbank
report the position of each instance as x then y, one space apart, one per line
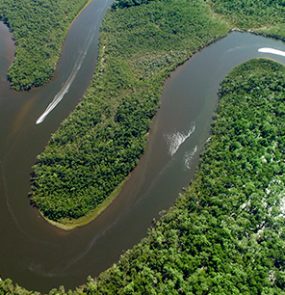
69 25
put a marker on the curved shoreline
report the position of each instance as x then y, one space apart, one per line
50 271
70 224
23 140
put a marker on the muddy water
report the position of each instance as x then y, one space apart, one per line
39 256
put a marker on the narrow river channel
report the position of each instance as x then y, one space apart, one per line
39 256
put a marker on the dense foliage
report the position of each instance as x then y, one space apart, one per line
129 3
8 288
101 142
39 28
226 234
263 16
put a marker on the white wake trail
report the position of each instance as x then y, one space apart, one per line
189 156
272 51
177 139
60 95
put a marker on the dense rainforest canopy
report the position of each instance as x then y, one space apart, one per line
227 231
39 29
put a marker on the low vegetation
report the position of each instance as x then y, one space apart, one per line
262 16
39 29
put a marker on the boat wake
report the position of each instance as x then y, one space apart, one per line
272 51
189 156
60 95
177 139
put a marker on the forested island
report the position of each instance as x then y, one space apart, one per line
226 231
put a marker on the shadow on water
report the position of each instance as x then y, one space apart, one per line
39 256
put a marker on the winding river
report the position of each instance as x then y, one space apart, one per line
39 256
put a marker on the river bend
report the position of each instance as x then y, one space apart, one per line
39 256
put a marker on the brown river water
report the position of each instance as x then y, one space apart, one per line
39 256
